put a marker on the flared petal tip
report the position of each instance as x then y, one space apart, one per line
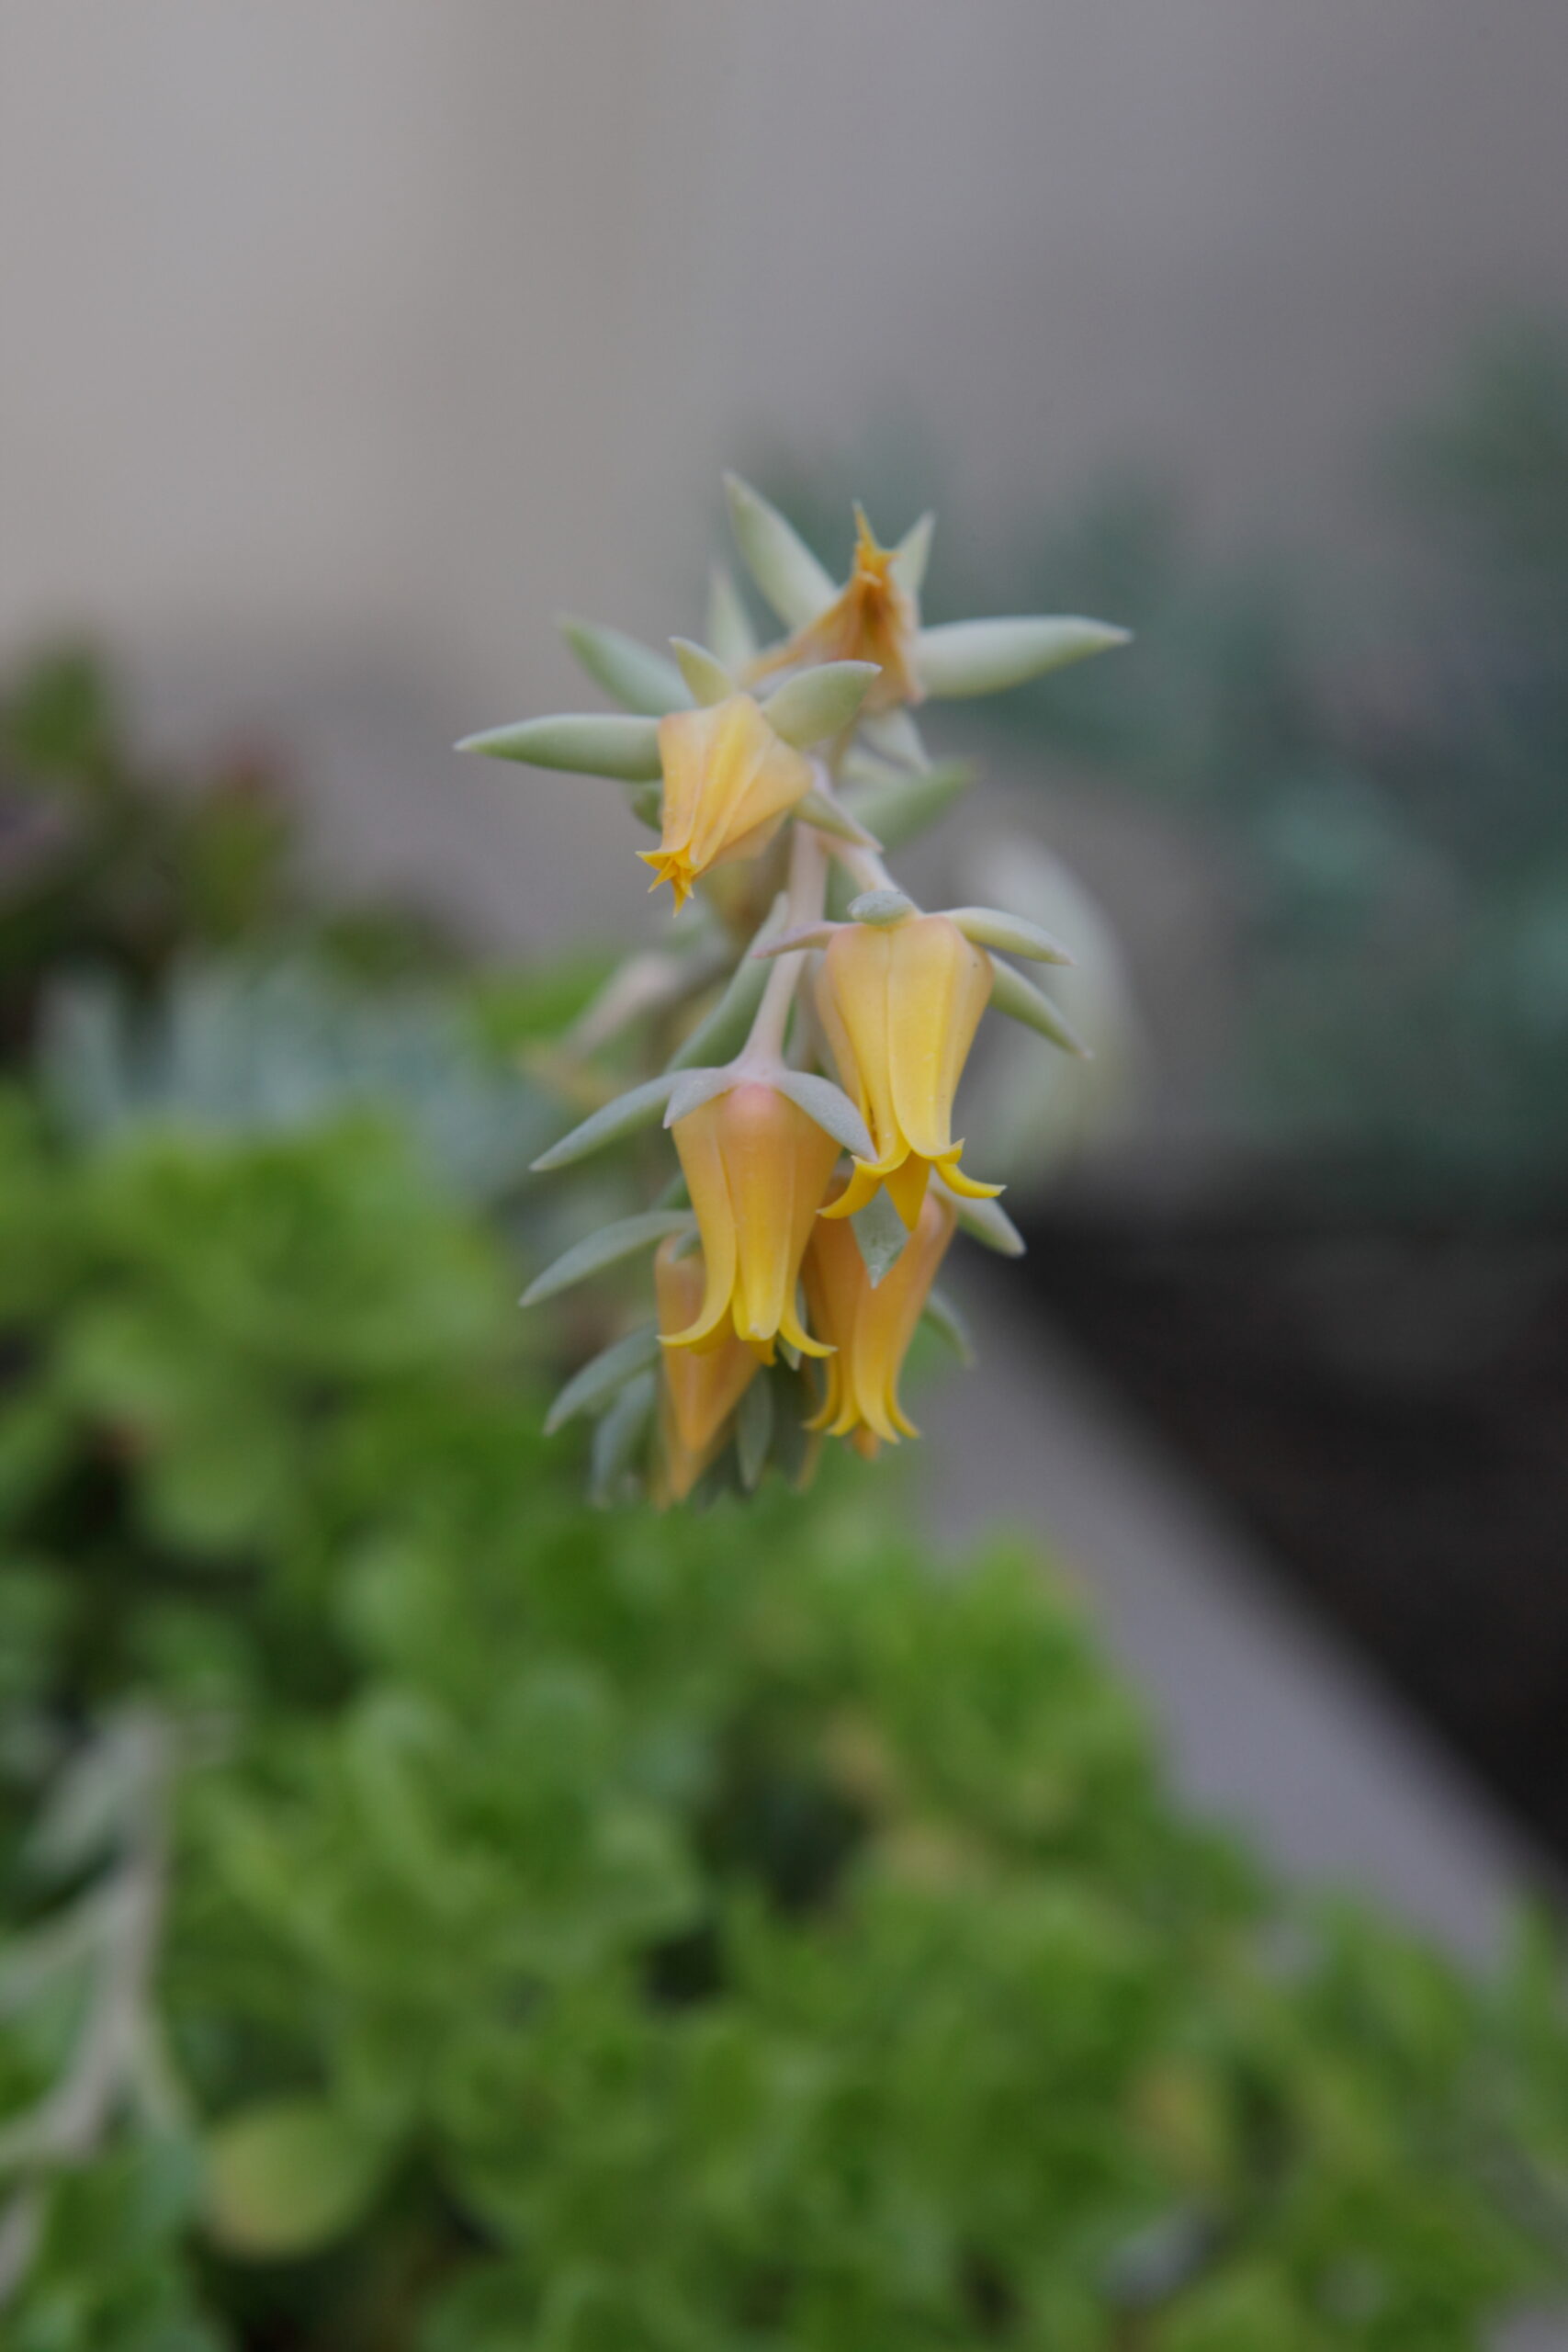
866 1177
692 1336
672 869
968 1188
809 1346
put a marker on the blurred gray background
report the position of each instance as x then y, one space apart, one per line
346 340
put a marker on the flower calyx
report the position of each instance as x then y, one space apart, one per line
874 617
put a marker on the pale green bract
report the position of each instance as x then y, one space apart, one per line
708 678
625 748
778 559
1020 1000
632 673
603 1375
819 702
986 657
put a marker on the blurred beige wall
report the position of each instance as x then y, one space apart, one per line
1231 234
362 334
338 322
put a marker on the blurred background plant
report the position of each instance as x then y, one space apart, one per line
1327 1254
439 1914
1374 764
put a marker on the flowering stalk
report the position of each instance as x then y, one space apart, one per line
810 1104
805 901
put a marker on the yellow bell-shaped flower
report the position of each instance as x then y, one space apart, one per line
870 1330
758 1170
900 1004
729 781
872 619
699 1387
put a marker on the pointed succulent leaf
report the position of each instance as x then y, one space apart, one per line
983 657
895 734
898 811
912 554
605 1248
603 1375
753 1431
861 765
617 1437
721 1032
647 805
728 625
984 1221
644 985
617 746
708 678
832 816
795 1447
1021 1001
881 1234
693 1087
638 678
778 559
880 908
1013 934
942 1316
830 1107
643 1106
819 702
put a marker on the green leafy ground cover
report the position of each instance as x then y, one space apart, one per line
441 1917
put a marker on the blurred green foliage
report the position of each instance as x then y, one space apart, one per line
440 1917
162 955
105 860
586 1928
1374 759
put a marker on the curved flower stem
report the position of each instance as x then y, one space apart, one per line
807 896
865 866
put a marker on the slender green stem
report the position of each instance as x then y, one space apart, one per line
808 894
864 865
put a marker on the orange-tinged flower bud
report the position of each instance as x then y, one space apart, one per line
729 781
870 1330
900 1005
757 1170
699 1387
872 619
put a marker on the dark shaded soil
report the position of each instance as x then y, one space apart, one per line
1389 1411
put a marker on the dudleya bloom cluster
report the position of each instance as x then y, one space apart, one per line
812 1023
